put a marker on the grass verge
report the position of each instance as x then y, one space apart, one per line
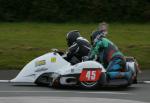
22 42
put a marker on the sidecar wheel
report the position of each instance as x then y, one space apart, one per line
89 85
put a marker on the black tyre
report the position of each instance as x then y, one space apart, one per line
43 80
91 85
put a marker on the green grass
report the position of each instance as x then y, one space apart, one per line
22 42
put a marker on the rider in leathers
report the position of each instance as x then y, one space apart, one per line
108 54
77 46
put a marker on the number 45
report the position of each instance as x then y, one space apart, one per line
91 75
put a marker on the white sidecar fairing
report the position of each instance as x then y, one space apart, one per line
50 66
49 62
51 69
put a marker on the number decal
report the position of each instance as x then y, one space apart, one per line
93 75
90 75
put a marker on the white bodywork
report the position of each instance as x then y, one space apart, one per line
52 62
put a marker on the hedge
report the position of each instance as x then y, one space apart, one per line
74 10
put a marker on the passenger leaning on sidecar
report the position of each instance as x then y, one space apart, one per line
78 47
108 54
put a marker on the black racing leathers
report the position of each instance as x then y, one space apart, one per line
78 49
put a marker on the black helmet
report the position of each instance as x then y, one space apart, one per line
96 35
72 37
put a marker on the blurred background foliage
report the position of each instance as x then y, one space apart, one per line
75 10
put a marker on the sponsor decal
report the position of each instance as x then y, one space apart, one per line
90 75
41 69
39 63
53 60
30 75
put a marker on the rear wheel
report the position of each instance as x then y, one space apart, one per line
89 84
101 81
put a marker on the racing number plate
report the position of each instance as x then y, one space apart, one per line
90 75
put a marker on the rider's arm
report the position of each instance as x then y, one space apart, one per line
95 50
72 50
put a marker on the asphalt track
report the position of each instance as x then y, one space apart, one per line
30 93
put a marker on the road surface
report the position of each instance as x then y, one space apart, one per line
30 93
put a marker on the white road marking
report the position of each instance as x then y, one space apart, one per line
116 93
147 82
4 81
31 91
7 81
63 100
106 93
